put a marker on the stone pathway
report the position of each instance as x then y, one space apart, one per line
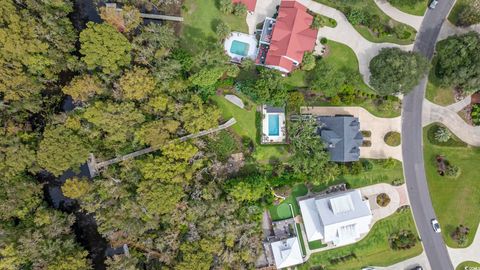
400 16
470 253
448 116
379 127
345 33
448 29
263 9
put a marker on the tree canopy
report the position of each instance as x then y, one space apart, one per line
394 71
458 62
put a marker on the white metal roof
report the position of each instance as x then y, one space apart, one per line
342 204
287 252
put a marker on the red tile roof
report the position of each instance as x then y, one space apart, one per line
249 3
292 36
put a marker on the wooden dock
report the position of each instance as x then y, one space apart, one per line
161 17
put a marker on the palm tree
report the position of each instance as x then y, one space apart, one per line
442 134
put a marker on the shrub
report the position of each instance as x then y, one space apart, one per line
356 168
225 6
392 138
317 22
366 133
358 16
404 239
452 171
323 40
240 9
475 114
460 235
367 165
398 182
222 30
442 134
383 199
388 163
469 15
308 62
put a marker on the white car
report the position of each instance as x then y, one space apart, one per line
433 4
436 226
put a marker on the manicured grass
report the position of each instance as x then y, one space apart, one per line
201 18
392 138
378 174
374 249
437 94
300 238
316 244
282 211
297 79
455 200
374 10
469 265
417 9
245 126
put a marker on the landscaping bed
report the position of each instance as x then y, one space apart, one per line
370 21
374 249
468 265
460 6
455 200
393 138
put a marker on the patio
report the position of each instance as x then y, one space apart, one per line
240 46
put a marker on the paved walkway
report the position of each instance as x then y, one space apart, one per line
398 197
263 9
448 29
470 253
379 127
400 16
345 33
408 264
448 116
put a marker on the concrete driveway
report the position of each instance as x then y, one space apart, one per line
398 197
398 15
263 9
379 127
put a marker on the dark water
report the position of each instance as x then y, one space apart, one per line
85 226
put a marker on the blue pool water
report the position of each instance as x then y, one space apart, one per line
240 48
273 125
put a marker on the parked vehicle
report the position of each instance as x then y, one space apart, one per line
436 226
433 4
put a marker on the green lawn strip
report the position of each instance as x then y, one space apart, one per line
417 9
375 10
468 265
246 126
455 200
374 249
300 238
378 174
453 16
437 94
201 18
316 244
282 211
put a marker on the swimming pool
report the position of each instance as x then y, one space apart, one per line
273 125
240 48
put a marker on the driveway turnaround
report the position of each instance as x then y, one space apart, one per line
263 9
345 33
448 116
378 127
470 253
400 16
398 197
412 144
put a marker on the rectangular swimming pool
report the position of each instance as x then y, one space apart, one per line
240 48
273 125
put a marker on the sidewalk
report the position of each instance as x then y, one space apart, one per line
400 16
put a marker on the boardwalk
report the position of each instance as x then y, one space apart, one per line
95 167
161 17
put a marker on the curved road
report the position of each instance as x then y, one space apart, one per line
412 144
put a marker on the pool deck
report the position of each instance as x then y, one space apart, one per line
242 37
281 138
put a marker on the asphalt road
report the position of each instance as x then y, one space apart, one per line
412 144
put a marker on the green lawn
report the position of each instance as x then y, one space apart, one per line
436 93
375 10
374 249
201 19
456 201
316 244
300 237
417 9
468 266
246 126
282 211
378 174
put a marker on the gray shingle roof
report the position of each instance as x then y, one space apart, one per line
342 137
